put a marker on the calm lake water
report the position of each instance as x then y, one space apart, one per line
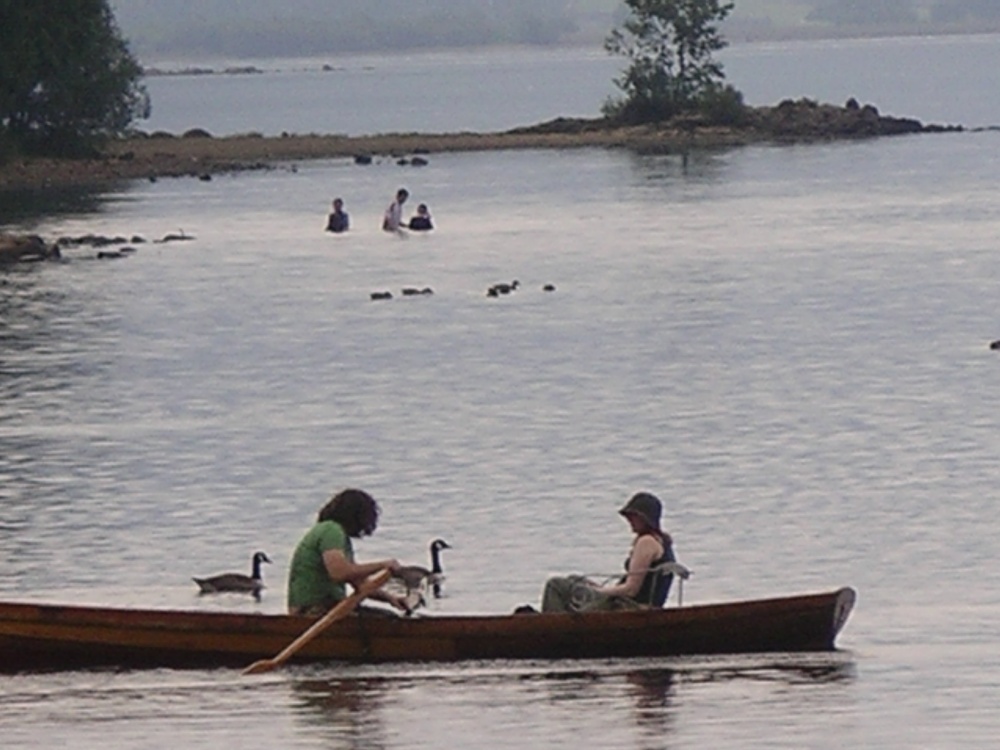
942 80
788 344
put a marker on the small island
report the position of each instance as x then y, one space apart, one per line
674 98
197 154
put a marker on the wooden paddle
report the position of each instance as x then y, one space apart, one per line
343 608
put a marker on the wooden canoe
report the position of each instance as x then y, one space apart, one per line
55 637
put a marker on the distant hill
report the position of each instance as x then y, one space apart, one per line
817 19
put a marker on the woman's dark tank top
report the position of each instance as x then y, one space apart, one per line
656 584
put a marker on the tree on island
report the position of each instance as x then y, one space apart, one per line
670 44
67 77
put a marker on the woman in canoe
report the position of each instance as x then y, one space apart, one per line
643 585
323 562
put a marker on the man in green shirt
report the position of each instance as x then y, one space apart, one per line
323 561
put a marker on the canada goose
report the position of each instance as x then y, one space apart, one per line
502 288
235 582
415 577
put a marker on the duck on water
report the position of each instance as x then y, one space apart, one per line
236 582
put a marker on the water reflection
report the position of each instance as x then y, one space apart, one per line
670 166
779 672
638 702
346 710
26 207
653 692
33 324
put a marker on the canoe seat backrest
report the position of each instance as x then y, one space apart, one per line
666 572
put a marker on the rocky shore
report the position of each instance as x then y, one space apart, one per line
198 154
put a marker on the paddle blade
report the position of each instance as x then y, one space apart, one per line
259 667
344 608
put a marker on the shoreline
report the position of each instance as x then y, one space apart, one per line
201 157
198 154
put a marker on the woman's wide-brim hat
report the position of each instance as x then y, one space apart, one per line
646 506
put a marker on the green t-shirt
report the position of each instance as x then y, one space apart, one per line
309 584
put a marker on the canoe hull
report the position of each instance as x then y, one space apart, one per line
43 637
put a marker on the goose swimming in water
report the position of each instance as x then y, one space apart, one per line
236 582
497 289
415 578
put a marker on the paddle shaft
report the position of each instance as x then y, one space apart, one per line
339 612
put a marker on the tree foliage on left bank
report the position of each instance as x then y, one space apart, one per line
67 77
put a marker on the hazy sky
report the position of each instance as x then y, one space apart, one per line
300 28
